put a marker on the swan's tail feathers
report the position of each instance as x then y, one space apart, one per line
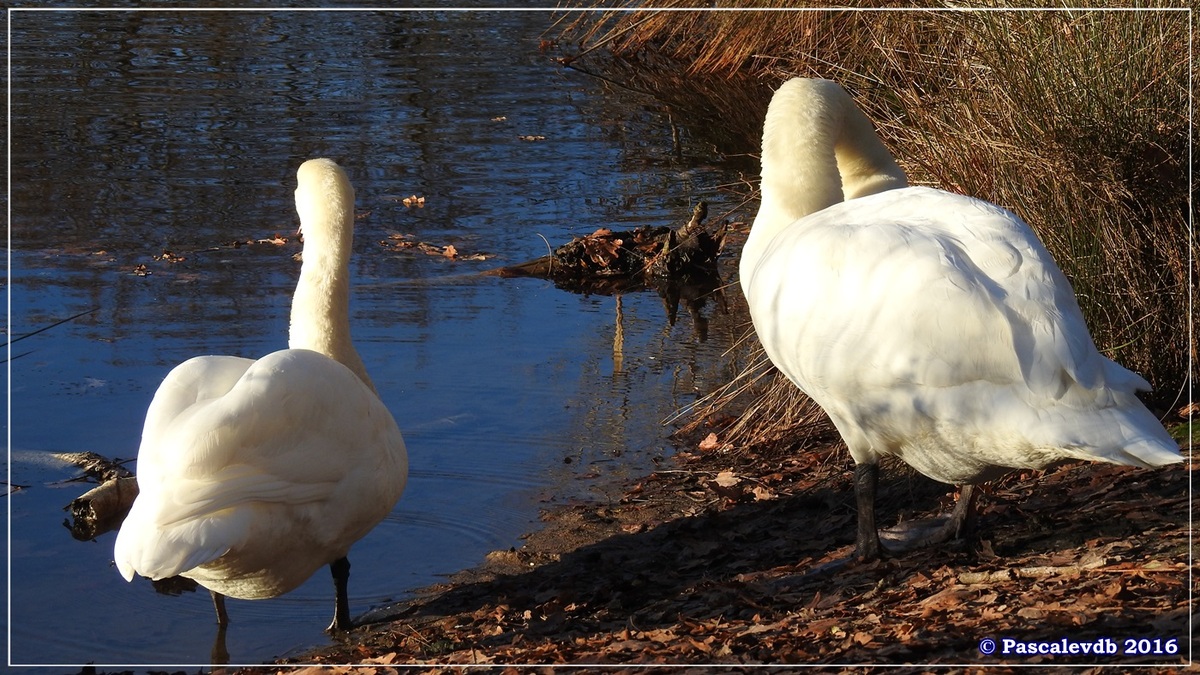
160 558
124 568
1135 439
1150 454
154 552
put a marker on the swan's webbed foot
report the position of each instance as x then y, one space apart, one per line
958 525
340 569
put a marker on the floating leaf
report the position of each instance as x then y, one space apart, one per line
168 256
400 242
277 240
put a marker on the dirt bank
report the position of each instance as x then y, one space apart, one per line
717 560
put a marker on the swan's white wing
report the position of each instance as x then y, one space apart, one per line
195 382
999 265
846 305
913 311
295 428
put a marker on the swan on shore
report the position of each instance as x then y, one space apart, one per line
253 474
928 325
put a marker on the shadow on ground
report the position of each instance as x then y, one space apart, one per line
726 561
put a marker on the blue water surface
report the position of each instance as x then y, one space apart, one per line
139 133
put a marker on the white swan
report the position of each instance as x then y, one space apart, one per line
254 474
927 325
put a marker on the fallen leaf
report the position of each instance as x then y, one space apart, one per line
762 494
709 442
726 479
943 600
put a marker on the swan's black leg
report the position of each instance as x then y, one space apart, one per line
219 604
219 655
340 569
866 478
962 521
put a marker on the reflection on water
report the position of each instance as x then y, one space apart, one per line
136 133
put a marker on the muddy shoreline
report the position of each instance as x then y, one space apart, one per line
720 558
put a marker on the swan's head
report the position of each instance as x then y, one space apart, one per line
325 202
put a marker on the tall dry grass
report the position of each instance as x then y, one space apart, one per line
1076 120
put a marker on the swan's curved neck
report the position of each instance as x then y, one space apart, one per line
818 150
320 318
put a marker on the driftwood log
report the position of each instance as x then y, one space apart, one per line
101 509
104 507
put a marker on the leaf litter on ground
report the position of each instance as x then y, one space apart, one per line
686 568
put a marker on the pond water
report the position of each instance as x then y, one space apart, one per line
135 133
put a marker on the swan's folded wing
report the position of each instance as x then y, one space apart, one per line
857 310
949 290
1052 338
288 432
192 384
1023 307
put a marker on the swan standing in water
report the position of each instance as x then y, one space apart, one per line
928 325
254 474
